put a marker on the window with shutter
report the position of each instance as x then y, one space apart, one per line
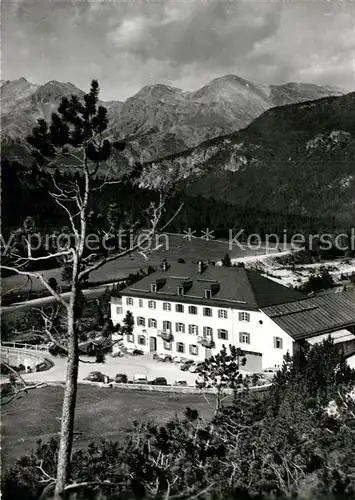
244 316
193 349
277 342
166 325
223 334
141 340
180 347
180 327
244 338
207 332
193 330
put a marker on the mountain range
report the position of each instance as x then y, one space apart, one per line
159 120
286 149
294 159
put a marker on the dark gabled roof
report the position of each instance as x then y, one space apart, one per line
236 287
314 315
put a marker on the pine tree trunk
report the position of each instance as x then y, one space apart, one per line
69 401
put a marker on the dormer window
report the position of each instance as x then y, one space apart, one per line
208 293
153 287
180 290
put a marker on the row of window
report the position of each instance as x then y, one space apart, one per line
180 290
180 328
207 311
180 346
222 334
244 338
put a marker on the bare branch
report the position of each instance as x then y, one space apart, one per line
24 389
44 257
105 181
18 288
76 486
41 278
115 256
48 325
128 251
70 215
47 476
172 218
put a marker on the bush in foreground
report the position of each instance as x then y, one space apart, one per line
284 445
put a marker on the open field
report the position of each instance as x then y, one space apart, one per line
18 310
173 247
101 412
299 273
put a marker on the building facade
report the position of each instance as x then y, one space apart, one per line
193 310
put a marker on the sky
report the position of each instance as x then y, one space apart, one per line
186 43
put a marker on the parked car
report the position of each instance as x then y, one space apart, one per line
140 379
200 383
117 354
196 367
162 357
179 359
56 350
269 373
219 381
185 366
95 377
159 381
137 352
259 379
180 383
121 378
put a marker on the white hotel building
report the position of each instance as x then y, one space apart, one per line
191 310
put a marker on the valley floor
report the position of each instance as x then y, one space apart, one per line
339 269
100 413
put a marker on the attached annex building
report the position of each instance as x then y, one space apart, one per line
192 310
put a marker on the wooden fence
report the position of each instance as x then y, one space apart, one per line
20 345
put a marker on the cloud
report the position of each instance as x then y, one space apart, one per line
198 32
131 44
318 45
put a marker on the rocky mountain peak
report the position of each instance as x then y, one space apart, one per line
160 119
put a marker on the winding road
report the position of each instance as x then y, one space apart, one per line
90 292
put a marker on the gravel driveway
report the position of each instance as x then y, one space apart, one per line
130 365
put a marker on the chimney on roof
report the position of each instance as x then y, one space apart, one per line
200 266
164 265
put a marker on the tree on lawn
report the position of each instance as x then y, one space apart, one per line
222 371
226 261
128 324
74 140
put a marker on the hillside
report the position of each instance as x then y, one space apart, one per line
297 159
159 120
